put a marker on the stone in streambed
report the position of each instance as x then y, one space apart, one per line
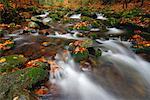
33 25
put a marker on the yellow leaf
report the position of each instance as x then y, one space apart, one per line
2 60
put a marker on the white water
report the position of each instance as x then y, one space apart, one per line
66 36
76 16
101 16
114 31
126 61
44 15
76 85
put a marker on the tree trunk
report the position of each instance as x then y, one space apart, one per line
125 3
142 2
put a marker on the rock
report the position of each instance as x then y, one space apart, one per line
12 25
54 17
80 55
94 51
33 25
87 43
34 18
14 84
34 31
85 66
46 21
8 63
25 15
46 32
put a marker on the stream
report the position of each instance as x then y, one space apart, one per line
120 74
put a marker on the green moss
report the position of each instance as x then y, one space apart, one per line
80 56
93 35
20 80
85 18
54 17
95 24
131 13
32 76
42 65
11 62
69 20
70 28
113 21
84 28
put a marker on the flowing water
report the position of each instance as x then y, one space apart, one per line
101 16
125 59
114 31
76 85
75 16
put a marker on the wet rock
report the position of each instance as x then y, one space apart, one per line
46 32
85 18
95 51
33 31
85 66
113 21
81 55
38 63
33 25
127 86
42 91
54 17
34 18
18 32
58 28
8 63
100 25
14 84
31 50
25 14
46 21
31 46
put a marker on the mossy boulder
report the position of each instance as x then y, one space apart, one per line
131 13
113 21
80 56
33 25
15 83
54 17
96 52
8 63
85 18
